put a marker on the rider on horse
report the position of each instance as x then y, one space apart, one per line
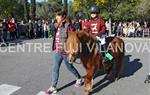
96 26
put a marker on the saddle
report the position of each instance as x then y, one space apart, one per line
102 49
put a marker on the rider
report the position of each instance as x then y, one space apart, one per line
96 26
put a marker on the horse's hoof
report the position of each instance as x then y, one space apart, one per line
87 92
90 90
146 81
108 77
116 79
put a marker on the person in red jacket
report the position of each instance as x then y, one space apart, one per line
96 26
11 28
84 23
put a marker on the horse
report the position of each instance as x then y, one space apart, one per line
84 46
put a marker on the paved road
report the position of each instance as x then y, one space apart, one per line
28 73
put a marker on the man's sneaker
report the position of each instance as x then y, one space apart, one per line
79 82
51 90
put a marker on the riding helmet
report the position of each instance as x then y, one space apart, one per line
95 9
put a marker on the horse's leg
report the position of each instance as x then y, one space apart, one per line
88 81
119 66
109 71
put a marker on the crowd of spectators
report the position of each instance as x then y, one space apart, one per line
131 29
12 30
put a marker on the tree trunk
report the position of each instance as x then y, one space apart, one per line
110 31
26 10
66 5
110 13
33 9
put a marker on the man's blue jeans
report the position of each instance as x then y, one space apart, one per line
56 66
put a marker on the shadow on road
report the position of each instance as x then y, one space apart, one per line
67 85
130 67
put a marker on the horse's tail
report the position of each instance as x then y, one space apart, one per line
120 63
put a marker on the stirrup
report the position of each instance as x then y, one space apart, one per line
105 59
109 56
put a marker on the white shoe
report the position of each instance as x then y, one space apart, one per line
79 82
51 90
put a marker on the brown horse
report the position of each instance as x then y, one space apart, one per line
83 45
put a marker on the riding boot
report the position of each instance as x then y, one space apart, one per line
106 55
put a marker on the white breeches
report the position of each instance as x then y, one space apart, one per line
102 39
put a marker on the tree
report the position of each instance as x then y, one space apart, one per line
80 4
56 5
6 8
33 9
143 9
66 5
43 10
9 9
47 10
26 10
76 5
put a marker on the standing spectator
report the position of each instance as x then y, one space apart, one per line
21 29
31 31
39 32
11 28
107 27
1 31
131 30
125 29
119 29
45 29
139 30
16 30
35 29
5 29
145 29
49 32
53 27
43 22
141 22
84 23
114 28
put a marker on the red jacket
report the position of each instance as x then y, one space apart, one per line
11 27
96 27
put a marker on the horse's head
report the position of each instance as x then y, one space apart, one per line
74 44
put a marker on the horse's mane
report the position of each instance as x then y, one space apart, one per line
85 37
